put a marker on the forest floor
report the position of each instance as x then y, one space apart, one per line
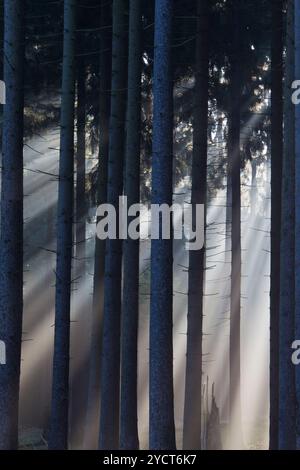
33 438
255 435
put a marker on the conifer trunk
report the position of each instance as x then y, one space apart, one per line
110 367
193 380
162 428
58 438
93 399
276 185
130 312
287 398
11 244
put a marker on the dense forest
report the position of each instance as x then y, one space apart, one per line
150 225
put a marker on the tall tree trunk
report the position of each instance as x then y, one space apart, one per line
93 400
162 428
228 217
129 420
193 380
58 438
11 244
110 369
297 214
253 197
235 176
276 175
287 405
78 386
80 160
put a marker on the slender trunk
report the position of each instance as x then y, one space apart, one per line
129 420
287 405
235 296
193 379
58 438
297 214
11 245
276 175
253 199
78 386
2 84
228 220
80 161
162 428
110 368
93 400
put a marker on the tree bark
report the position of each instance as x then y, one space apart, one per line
11 244
80 160
162 428
58 438
93 400
287 399
193 379
297 214
253 197
235 176
276 184
129 420
78 385
110 369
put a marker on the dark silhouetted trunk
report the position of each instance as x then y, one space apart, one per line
253 199
11 245
228 220
80 161
129 420
93 400
297 215
58 438
287 399
162 429
235 177
79 380
193 381
276 175
110 368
